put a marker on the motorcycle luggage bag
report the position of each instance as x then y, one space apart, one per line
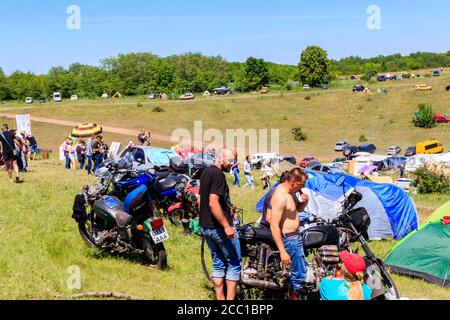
318 236
360 219
252 233
329 254
178 165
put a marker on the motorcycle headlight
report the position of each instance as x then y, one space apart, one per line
179 187
118 177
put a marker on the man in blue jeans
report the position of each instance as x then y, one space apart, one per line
216 220
89 153
285 227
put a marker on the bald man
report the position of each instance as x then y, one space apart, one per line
216 220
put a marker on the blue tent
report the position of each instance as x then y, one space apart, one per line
391 210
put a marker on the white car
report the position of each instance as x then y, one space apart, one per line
187 96
29 100
394 150
306 87
57 97
340 145
74 97
257 157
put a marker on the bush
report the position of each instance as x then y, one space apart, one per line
299 135
139 104
308 98
427 75
288 86
428 181
362 138
424 118
406 76
158 109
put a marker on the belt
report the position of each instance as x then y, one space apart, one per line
291 234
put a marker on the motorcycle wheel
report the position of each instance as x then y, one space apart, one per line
206 261
390 293
156 256
85 229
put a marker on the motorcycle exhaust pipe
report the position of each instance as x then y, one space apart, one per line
262 284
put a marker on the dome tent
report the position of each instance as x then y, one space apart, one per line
425 253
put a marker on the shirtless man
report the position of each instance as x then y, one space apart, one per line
285 227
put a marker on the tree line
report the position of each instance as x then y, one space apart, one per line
144 73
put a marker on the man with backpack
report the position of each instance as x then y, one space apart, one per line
10 152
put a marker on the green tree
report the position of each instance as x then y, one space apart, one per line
424 118
255 74
314 66
412 64
4 88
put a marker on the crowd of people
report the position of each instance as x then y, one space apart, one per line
85 155
17 151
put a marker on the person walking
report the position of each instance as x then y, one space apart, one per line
66 152
248 174
81 153
235 173
89 153
216 222
9 145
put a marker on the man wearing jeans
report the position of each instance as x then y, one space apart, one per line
285 227
216 220
89 153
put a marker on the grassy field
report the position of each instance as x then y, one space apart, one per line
39 241
336 114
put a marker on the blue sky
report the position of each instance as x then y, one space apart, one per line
34 35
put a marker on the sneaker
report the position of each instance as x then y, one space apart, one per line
18 180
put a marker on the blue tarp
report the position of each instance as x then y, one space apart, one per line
392 211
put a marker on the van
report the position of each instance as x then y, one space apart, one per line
429 147
57 97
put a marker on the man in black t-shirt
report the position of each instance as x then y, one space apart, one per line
216 220
9 144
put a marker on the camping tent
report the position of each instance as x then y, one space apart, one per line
391 210
425 253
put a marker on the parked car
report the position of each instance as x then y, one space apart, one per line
353 78
367 147
349 150
57 97
393 150
422 87
42 100
306 161
74 97
187 96
325 86
391 77
340 145
429 147
323 169
448 88
436 73
222 91
290 159
410 151
29 100
257 158
151 155
340 160
441 118
358 88
153 96
306 87
381 78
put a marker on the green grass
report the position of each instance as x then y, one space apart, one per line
39 242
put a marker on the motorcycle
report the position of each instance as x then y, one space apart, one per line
174 195
107 223
323 240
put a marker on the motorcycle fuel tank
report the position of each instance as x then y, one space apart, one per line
107 207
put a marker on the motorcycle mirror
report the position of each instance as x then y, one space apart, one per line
340 181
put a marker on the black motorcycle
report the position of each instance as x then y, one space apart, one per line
105 222
323 240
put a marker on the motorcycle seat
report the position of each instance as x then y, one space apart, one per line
166 184
257 233
161 174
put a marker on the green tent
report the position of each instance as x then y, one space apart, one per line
425 253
